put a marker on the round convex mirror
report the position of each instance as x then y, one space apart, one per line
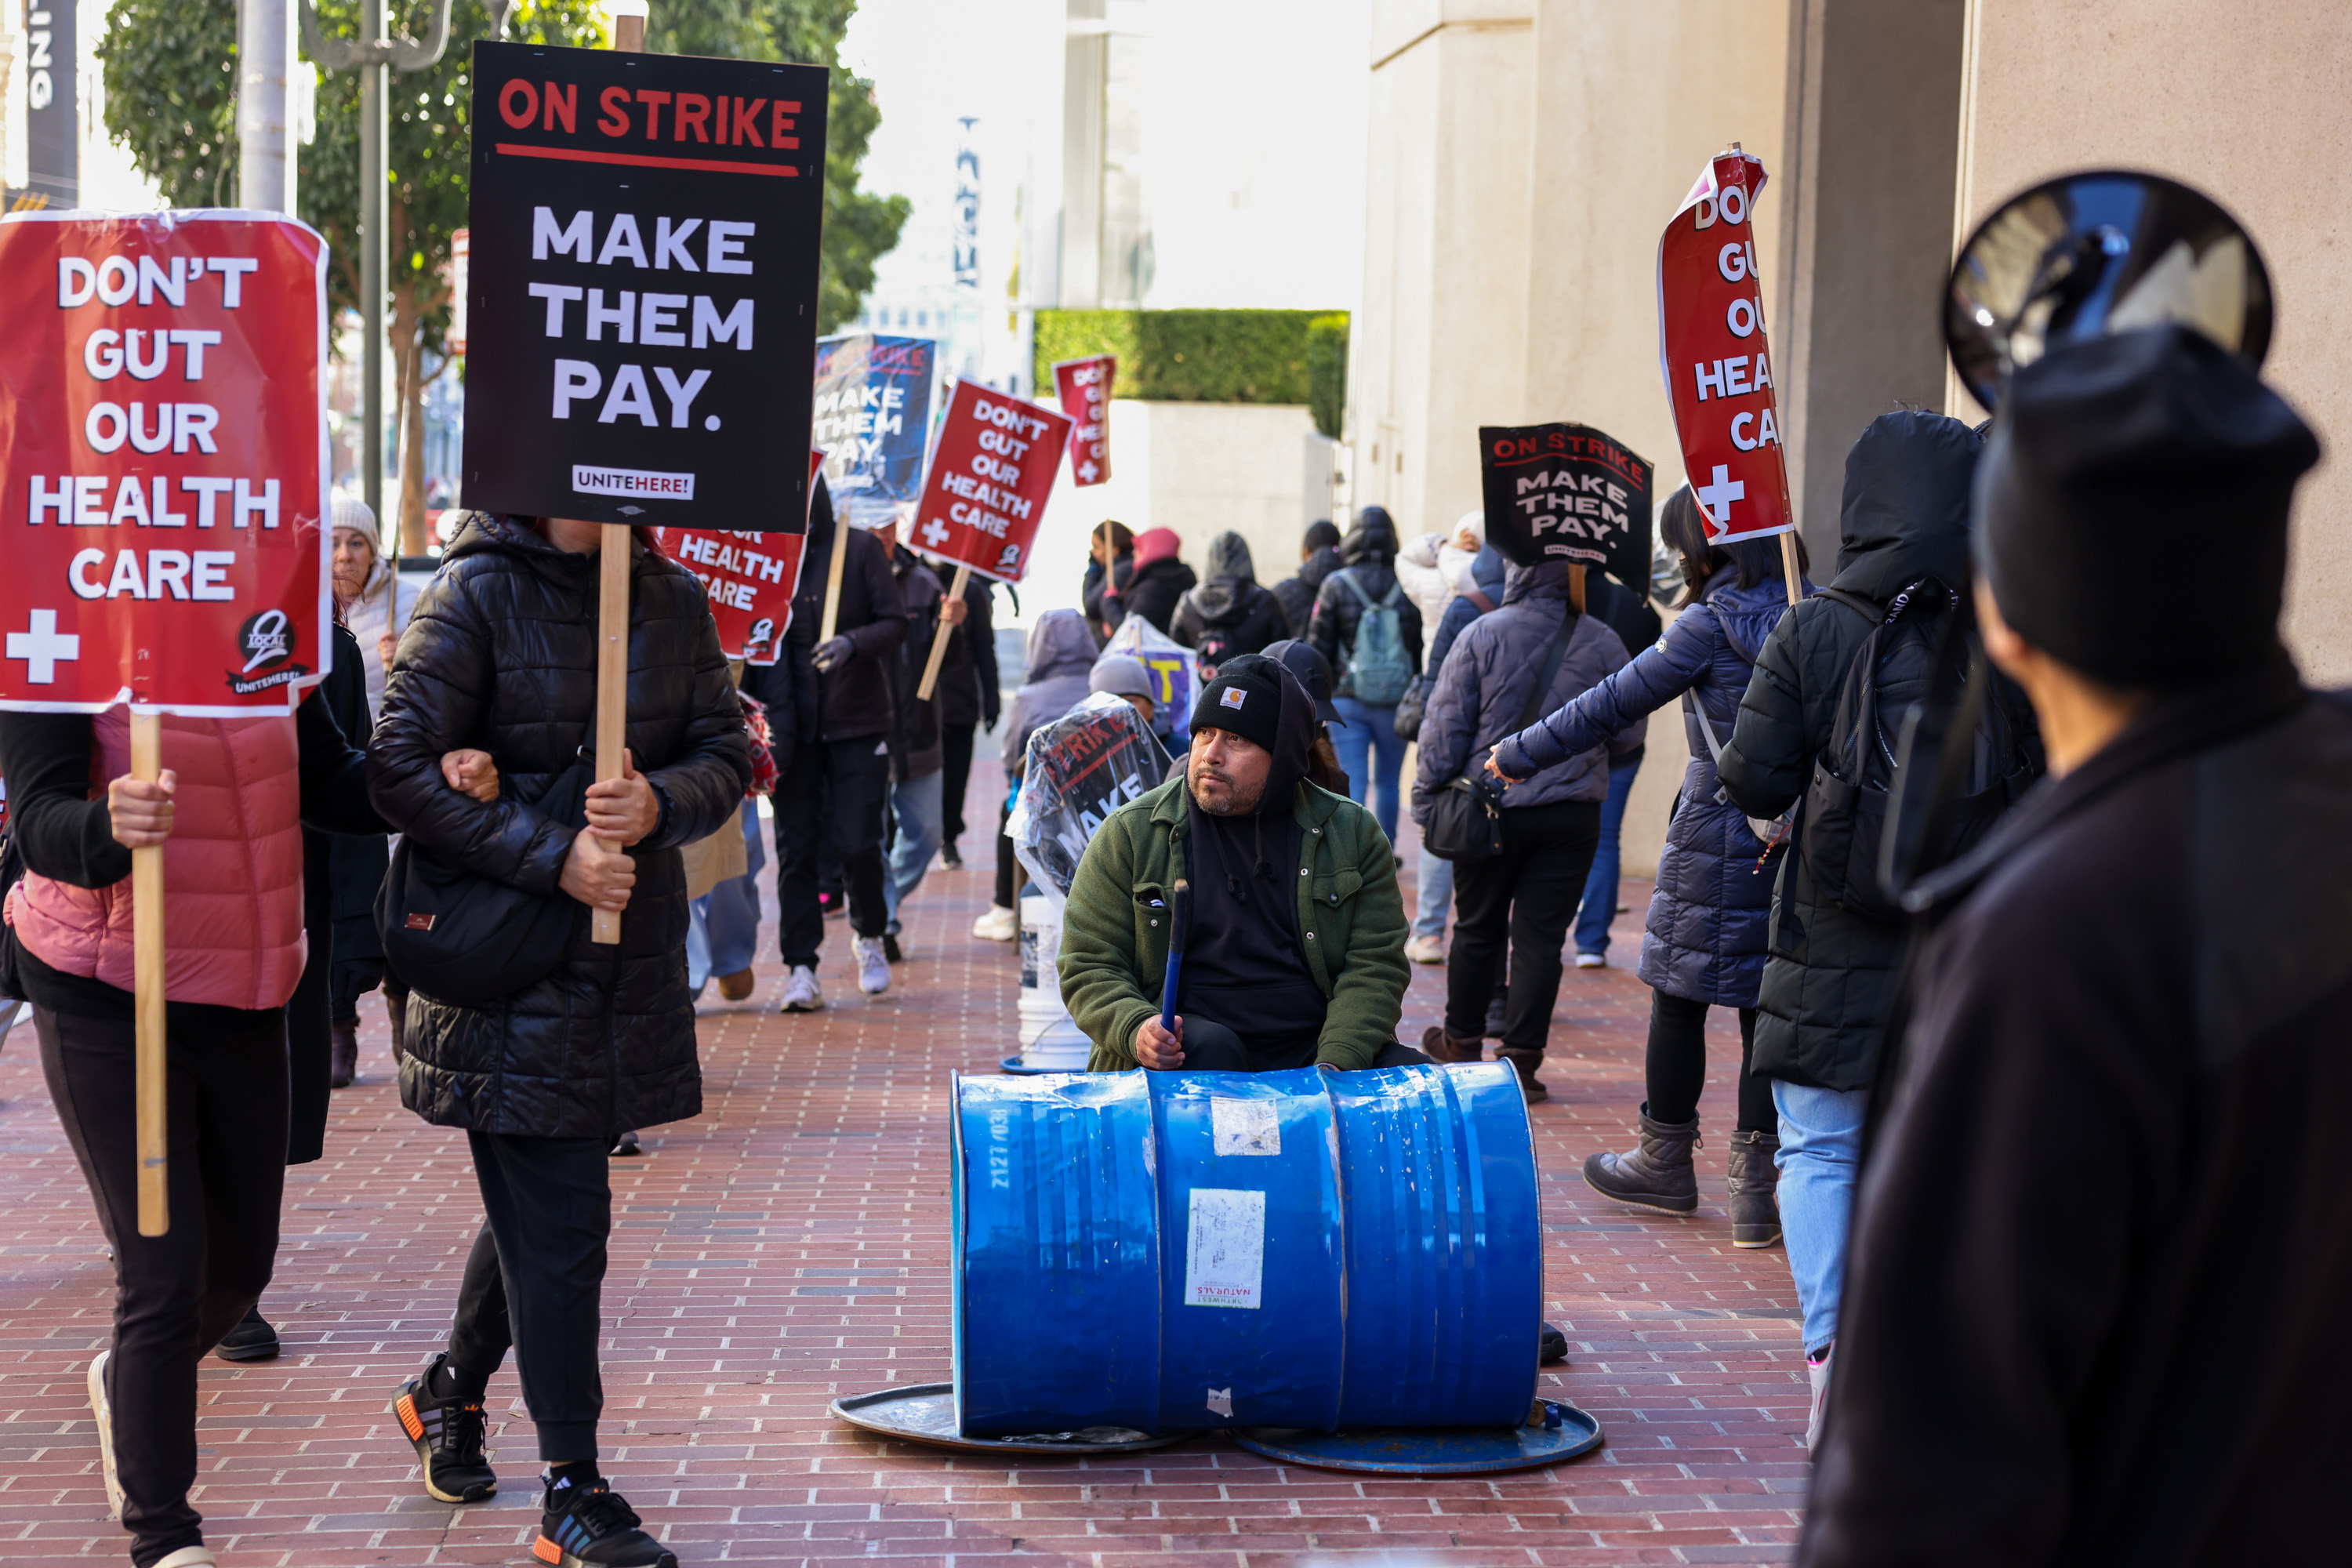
2102 251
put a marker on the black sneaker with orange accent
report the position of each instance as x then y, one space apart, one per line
585 1523
447 1436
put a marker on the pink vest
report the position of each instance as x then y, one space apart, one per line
232 869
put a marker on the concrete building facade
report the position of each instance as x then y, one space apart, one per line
1524 155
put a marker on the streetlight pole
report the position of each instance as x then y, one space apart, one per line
374 56
264 61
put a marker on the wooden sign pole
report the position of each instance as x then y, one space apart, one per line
1788 554
612 600
939 637
147 982
833 580
1575 587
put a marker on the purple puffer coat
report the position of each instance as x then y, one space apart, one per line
1705 938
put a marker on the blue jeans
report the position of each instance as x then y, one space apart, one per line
1371 754
916 804
724 929
1434 892
1599 906
1820 1145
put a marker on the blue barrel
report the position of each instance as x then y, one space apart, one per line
1180 1251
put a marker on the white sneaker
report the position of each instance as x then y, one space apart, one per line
1426 950
873 966
999 924
802 992
1591 961
1817 1373
103 1408
191 1557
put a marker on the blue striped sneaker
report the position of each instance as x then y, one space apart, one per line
584 1523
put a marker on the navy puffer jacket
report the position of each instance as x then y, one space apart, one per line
1707 935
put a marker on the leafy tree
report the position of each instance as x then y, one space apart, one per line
170 72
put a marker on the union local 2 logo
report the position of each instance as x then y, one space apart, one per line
267 641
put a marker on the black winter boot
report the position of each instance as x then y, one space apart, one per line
1755 1183
1655 1176
1525 1063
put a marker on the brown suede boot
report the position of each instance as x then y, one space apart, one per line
1441 1047
1755 1183
1525 1063
343 1055
1657 1173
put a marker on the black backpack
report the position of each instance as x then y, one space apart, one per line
1844 821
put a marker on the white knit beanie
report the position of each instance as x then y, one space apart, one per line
352 512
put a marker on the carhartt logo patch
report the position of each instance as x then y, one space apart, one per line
419 923
1233 696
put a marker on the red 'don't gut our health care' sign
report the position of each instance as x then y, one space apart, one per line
1084 386
991 471
163 461
1712 350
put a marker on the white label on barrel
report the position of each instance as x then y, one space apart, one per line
1224 1248
1244 1126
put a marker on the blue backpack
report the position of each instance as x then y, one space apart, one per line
1379 672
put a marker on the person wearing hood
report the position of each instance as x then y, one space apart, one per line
1434 567
1110 565
834 793
1318 557
1830 970
1153 589
1370 631
918 746
1061 657
1308 669
1704 944
1552 817
2110 1163
1296 952
1229 614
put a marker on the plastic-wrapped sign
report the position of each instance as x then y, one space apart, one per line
991 473
164 468
1711 348
1080 768
873 417
1174 670
1083 387
1565 492
642 272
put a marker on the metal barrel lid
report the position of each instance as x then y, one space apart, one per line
924 1413
1431 1451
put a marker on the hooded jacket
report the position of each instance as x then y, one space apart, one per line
1488 677
1366 555
916 747
851 701
1157 583
1297 594
1061 657
502 655
1351 920
1229 615
1704 939
1829 979
969 691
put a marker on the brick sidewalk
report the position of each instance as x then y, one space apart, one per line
791 1245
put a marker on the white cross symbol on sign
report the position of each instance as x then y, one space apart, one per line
935 534
42 648
1717 497
1087 470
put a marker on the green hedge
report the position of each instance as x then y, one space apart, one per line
1326 371
1194 356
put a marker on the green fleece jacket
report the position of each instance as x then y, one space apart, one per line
1114 960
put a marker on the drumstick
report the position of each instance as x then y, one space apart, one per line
1180 915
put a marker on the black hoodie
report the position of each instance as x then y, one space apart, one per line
1245 967
1229 615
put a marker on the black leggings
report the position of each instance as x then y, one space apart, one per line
175 1294
1676 1068
535 1281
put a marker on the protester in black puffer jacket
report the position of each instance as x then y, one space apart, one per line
1229 615
501 653
1318 557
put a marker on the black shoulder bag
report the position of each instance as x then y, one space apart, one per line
460 937
1465 820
